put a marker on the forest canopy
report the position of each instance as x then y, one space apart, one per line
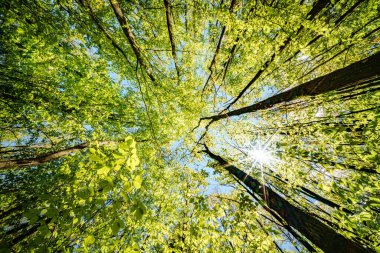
190 126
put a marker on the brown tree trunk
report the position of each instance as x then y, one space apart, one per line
34 161
169 24
317 8
361 72
131 37
322 235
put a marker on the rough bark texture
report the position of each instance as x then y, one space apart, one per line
361 72
322 235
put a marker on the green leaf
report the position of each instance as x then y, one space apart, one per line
95 158
127 186
103 170
89 240
137 181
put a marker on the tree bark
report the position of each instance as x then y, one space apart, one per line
99 25
322 235
361 72
34 161
310 193
169 24
28 162
131 37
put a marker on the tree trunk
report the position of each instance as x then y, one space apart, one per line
336 24
100 26
361 72
317 8
34 161
28 232
131 37
169 24
312 228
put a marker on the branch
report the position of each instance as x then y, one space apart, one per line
233 2
322 235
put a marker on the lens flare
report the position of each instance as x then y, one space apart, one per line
261 156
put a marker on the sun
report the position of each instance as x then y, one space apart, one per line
261 156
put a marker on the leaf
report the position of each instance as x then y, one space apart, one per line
127 186
103 170
117 167
89 240
95 158
137 181
44 231
52 212
365 215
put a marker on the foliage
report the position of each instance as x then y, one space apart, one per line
130 91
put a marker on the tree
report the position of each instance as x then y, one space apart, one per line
105 118
313 229
363 73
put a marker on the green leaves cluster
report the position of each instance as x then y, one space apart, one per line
70 75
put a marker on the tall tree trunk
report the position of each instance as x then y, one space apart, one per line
28 232
34 161
336 24
309 193
317 8
169 24
322 235
361 72
98 23
131 37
